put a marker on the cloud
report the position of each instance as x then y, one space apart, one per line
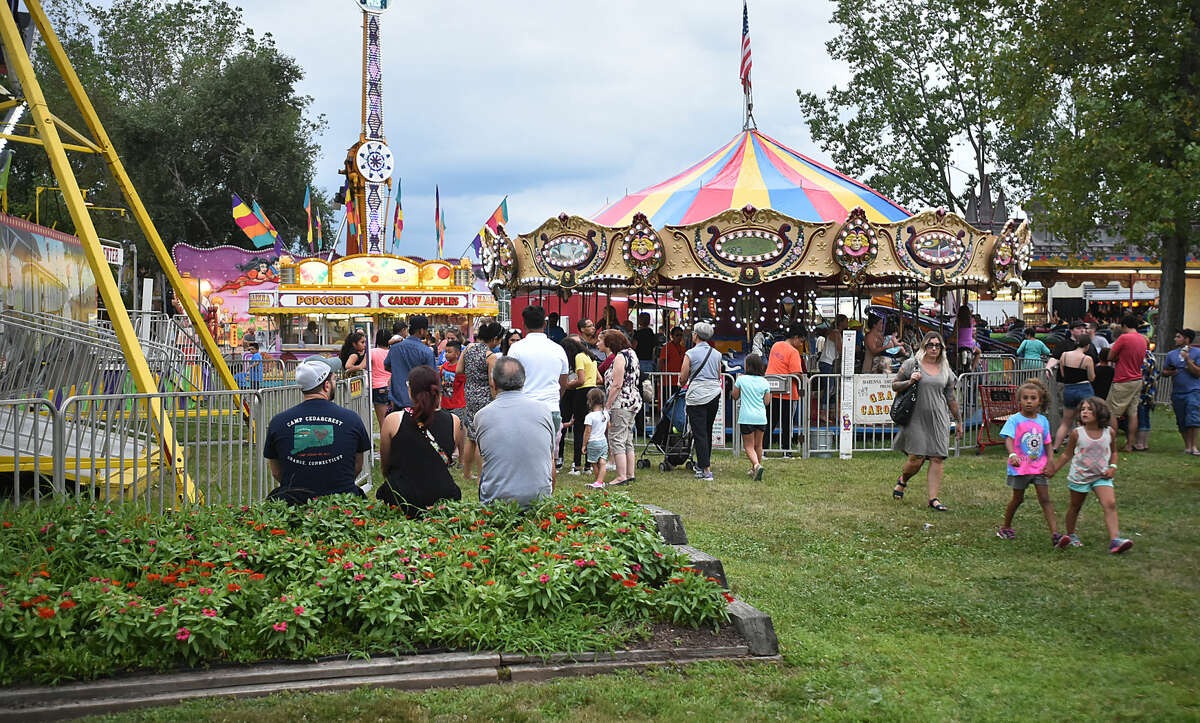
559 105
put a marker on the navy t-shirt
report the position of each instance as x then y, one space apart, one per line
316 443
402 357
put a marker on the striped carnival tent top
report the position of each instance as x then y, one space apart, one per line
753 169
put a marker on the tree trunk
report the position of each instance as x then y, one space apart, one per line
1172 286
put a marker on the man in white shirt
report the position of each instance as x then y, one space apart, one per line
545 364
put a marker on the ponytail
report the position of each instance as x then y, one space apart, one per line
425 388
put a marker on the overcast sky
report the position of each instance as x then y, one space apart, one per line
562 106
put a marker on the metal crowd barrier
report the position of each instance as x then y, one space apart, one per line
104 447
354 393
1000 389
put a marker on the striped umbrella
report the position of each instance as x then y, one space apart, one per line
753 169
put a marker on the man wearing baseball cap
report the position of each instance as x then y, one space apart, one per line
316 447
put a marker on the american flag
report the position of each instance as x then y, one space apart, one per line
746 62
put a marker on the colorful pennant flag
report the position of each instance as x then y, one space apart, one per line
438 226
263 217
308 211
320 240
398 221
251 225
351 225
499 216
477 243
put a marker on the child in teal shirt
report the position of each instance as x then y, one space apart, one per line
755 394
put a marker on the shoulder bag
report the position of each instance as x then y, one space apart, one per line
904 403
448 459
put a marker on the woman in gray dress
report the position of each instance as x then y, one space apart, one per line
927 434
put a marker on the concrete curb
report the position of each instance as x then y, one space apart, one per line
418 672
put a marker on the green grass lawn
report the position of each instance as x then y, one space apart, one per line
889 610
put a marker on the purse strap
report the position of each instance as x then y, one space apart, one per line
448 459
692 376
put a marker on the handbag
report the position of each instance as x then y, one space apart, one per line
903 405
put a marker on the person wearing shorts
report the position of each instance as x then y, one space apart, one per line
1127 353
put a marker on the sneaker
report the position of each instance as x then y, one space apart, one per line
559 463
1006 533
699 474
1061 542
708 477
1119 545
574 470
1075 541
758 473
596 485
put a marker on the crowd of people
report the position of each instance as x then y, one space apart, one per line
503 406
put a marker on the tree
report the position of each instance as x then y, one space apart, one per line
1117 85
921 89
197 106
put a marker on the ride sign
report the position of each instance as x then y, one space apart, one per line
873 398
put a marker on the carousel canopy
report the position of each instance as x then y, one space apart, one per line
757 170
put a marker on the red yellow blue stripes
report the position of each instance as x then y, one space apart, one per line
755 169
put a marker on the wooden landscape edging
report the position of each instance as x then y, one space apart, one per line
412 672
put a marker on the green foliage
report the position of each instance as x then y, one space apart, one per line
197 106
921 88
339 575
885 611
1115 84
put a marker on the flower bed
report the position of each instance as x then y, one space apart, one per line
88 591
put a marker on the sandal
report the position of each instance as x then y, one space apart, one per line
936 504
898 494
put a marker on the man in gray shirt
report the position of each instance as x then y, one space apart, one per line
515 434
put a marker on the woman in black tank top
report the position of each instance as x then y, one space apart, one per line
417 447
1077 384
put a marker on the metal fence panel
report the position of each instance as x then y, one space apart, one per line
111 452
985 398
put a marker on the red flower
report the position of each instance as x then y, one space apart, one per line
629 583
233 587
45 612
728 597
490 582
560 515
468 564
66 605
7 524
616 576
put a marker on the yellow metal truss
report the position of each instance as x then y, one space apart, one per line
48 126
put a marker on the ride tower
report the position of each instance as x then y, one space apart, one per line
369 162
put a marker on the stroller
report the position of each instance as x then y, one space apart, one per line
671 435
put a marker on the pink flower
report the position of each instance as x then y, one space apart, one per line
205 591
368 565
208 613
299 609
101 531
183 634
159 610
280 627
543 578
398 576
358 576
283 598
635 567
348 566
580 563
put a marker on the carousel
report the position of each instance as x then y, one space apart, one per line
751 238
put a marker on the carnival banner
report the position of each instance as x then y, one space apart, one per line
873 398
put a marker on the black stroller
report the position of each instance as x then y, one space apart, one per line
671 435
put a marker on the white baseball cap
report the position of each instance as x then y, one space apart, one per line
313 371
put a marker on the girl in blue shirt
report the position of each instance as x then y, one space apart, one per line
755 394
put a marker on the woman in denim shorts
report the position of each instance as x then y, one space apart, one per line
1076 372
